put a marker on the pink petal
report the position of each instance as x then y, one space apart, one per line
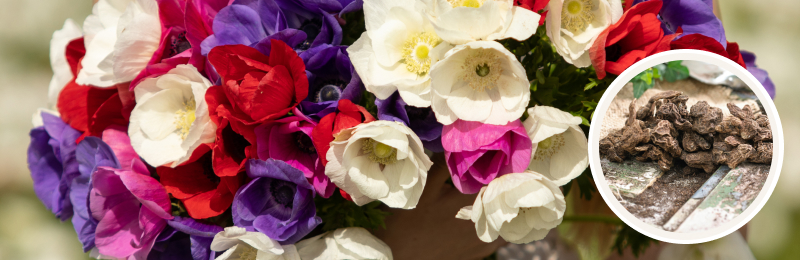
117 228
148 191
117 138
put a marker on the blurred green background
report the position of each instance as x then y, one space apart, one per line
771 29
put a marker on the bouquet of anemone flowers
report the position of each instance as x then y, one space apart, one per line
287 129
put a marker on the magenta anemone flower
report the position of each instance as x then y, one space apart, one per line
289 140
477 153
131 207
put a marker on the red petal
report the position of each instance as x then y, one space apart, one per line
109 113
77 103
282 54
185 181
232 62
322 136
75 52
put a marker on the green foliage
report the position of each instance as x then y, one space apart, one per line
337 212
354 25
674 71
554 82
628 237
585 185
644 81
671 71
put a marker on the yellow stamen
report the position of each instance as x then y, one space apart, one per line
466 3
379 152
416 52
547 147
248 253
185 117
576 15
482 69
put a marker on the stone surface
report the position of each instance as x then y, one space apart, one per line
734 193
630 178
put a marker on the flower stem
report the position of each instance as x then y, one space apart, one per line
594 218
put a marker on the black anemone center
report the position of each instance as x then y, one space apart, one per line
179 44
283 192
234 144
417 113
613 52
304 143
329 93
208 168
312 29
329 90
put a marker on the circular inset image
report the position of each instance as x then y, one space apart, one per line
689 146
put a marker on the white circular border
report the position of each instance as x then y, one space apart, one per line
700 236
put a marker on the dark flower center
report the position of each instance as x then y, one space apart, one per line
304 143
417 113
613 52
234 144
331 90
329 93
283 192
179 44
208 168
312 29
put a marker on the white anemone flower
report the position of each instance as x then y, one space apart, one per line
170 119
380 160
239 244
573 26
344 243
397 51
520 207
479 81
463 21
121 38
62 73
561 148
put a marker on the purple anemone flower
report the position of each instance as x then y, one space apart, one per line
693 16
421 120
91 154
331 77
185 238
256 22
760 74
278 202
51 160
289 140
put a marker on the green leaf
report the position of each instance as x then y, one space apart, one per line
675 71
590 85
337 212
628 237
639 87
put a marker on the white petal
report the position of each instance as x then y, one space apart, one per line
360 244
572 159
416 95
465 213
375 11
388 42
62 73
458 25
138 40
523 24
469 104
368 177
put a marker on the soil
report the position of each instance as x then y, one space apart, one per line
659 202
